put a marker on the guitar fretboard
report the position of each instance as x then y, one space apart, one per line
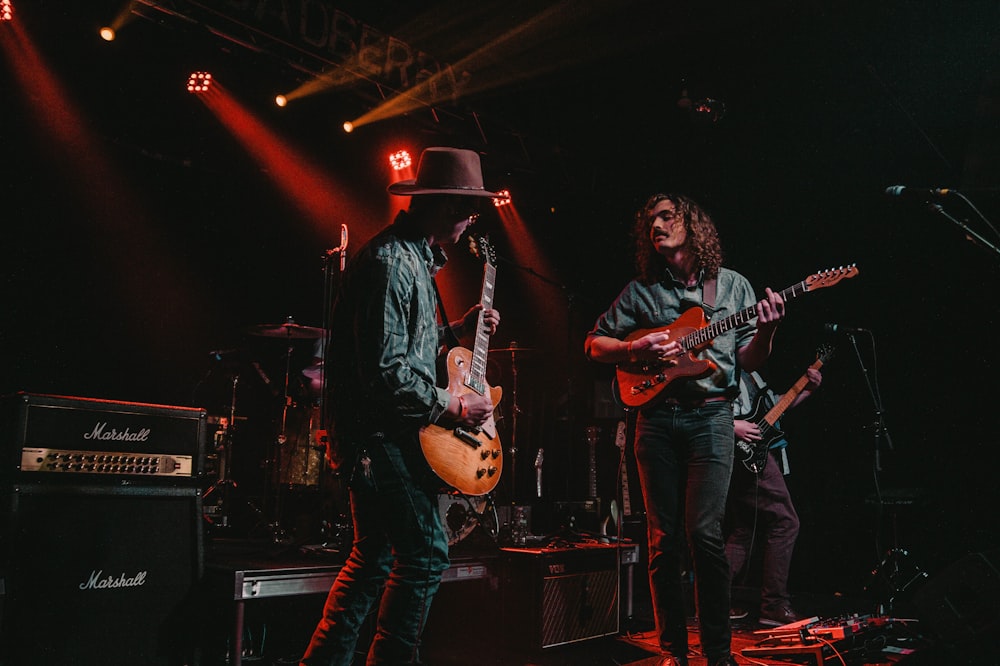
698 338
476 379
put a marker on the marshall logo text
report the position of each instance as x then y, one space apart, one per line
101 433
96 582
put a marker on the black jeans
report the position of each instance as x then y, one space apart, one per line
399 542
763 503
685 459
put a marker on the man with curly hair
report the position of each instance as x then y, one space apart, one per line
684 437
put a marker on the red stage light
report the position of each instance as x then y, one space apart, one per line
199 82
503 199
400 160
6 10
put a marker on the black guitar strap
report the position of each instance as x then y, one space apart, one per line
451 340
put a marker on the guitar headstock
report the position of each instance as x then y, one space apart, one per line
480 246
830 277
825 352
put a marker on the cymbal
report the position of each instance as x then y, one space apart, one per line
514 350
287 331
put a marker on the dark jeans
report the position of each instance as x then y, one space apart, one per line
399 542
763 505
685 458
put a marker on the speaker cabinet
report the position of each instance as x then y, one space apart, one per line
558 596
100 575
962 603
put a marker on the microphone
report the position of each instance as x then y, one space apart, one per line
917 194
837 328
343 247
538 472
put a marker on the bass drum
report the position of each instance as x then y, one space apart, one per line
460 514
303 451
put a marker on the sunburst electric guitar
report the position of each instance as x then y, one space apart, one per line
466 458
754 454
639 384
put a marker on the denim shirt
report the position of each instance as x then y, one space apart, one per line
385 338
647 306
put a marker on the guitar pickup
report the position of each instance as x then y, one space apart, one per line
468 437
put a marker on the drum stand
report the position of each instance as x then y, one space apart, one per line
278 534
224 451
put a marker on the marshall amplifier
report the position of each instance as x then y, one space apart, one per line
51 436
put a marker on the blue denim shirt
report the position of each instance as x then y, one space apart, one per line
642 306
385 337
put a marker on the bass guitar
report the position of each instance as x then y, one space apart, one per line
640 383
755 453
466 458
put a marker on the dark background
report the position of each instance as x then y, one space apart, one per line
121 290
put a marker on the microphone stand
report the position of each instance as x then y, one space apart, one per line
970 234
336 528
879 424
890 566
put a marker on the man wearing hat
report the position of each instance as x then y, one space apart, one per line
385 340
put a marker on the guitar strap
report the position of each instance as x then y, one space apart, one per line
451 340
708 291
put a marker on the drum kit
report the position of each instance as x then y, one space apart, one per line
295 462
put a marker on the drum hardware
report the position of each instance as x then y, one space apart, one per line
295 459
287 331
223 448
461 513
514 350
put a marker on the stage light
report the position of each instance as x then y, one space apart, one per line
6 10
348 126
281 101
503 199
400 160
107 34
199 82
708 109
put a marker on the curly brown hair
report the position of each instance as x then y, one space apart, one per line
703 239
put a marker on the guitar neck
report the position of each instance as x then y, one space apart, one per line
790 395
698 338
476 379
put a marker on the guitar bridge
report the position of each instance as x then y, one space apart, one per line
469 437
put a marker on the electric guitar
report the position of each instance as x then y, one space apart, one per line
620 443
640 383
469 459
755 453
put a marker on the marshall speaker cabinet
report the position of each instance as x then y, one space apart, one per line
101 547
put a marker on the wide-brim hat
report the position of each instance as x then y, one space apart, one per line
445 171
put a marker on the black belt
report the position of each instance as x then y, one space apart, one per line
695 403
